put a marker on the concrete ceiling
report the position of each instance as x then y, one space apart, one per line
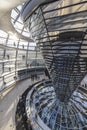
5 17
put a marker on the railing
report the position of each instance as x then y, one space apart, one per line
22 74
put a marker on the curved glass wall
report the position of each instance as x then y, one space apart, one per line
59 28
15 55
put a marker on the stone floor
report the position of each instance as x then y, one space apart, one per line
9 102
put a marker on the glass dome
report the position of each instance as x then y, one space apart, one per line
17 22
